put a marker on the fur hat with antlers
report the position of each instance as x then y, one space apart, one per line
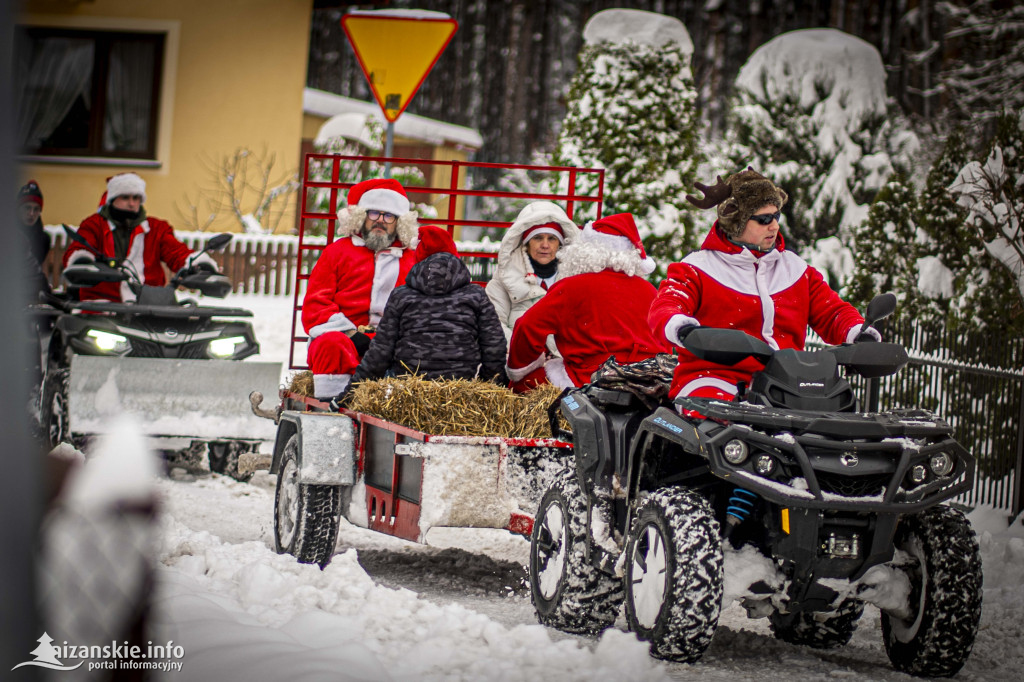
738 197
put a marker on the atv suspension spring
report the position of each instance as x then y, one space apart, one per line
740 505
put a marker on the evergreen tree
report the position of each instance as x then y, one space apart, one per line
888 248
811 113
632 112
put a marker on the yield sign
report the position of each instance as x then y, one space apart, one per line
396 52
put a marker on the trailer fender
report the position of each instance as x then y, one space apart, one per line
327 446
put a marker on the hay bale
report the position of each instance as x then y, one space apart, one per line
302 383
456 407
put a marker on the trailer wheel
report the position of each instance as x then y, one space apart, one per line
306 517
945 598
55 417
224 456
819 630
567 592
674 574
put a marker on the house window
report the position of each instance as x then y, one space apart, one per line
87 93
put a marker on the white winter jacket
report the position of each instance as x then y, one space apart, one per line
515 287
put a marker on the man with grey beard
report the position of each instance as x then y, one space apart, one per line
353 278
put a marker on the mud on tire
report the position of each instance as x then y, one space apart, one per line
945 599
674 574
54 407
568 593
820 630
306 517
223 456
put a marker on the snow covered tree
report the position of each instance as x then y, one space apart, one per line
888 247
811 113
992 192
632 112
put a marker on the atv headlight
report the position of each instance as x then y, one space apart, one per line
735 451
918 474
109 342
764 464
226 347
940 464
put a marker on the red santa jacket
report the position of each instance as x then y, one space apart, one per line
592 316
773 297
350 285
152 242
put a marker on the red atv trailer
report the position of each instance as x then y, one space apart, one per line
382 475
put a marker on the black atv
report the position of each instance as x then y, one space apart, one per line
844 506
172 363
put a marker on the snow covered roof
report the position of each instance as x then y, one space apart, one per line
410 126
645 28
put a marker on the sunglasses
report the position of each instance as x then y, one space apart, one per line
386 218
766 218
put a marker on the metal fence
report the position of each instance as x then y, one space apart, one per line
976 383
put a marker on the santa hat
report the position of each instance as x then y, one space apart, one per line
738 197
545 228
434 240
380 194
618 232
30 192
125 184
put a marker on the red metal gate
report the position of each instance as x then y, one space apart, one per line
336 166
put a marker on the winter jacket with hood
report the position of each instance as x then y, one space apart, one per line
773 297
515 287
439 325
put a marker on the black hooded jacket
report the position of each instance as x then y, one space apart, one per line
35 246
439 325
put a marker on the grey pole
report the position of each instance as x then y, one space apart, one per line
389 144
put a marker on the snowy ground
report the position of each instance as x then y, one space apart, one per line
457 608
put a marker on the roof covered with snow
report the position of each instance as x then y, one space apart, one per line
411 126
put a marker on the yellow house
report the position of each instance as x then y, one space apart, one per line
164 88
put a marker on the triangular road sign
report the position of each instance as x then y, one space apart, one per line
396 52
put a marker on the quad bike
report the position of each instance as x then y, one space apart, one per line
172 363
844 507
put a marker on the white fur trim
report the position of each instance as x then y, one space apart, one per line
136 257
714 382
735 270
545 230
125 184
335 323
555 369
517 374
675 323
385 276
330 385
615 242
851 335
387 200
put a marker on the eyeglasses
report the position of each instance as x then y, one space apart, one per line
386 218
766 218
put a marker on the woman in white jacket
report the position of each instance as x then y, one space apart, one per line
527 266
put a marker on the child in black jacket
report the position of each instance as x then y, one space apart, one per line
439 325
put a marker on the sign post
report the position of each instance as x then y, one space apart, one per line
396 49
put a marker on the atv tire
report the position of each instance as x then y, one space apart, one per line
306 517
568 593
945 599
820 630
674 574
54 407
223 456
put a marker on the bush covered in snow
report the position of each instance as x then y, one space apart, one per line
632 112
811 113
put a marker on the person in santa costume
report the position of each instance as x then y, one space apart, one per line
743 278
527 266
598 309
353 279
121 229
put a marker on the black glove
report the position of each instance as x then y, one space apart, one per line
341 400
362 343
686 331
203 267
